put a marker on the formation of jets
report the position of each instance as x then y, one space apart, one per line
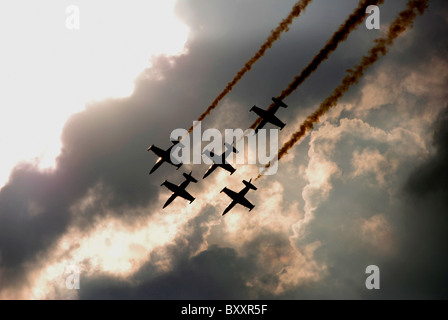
267 116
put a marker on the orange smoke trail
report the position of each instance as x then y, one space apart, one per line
352 22
404 20
274 36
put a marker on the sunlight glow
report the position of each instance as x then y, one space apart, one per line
48 72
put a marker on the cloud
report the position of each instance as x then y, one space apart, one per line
377 232
372 161
420 271
218 273
357 222
431 177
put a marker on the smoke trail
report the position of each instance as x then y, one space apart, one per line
339 36
274 36
404 20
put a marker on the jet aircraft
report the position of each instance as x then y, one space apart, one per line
240 196
220 161
164 156
269 115
179 191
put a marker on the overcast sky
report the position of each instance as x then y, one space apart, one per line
79 108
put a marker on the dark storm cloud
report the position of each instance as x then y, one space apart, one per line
215 273
286 58
417 217
412 262
417 269
218 273
431 179
22 231
421 272
274 35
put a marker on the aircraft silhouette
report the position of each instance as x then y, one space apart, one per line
179 191
239 198
220 161
164 156
269 115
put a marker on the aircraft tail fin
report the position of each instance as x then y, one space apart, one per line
249 184
279 103
189 177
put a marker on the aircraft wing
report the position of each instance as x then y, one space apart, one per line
184 194
246 203
228 167
274 120
157 150
171 186
261 125
157 165
210 170
231 205
230 193
170 199
260 112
